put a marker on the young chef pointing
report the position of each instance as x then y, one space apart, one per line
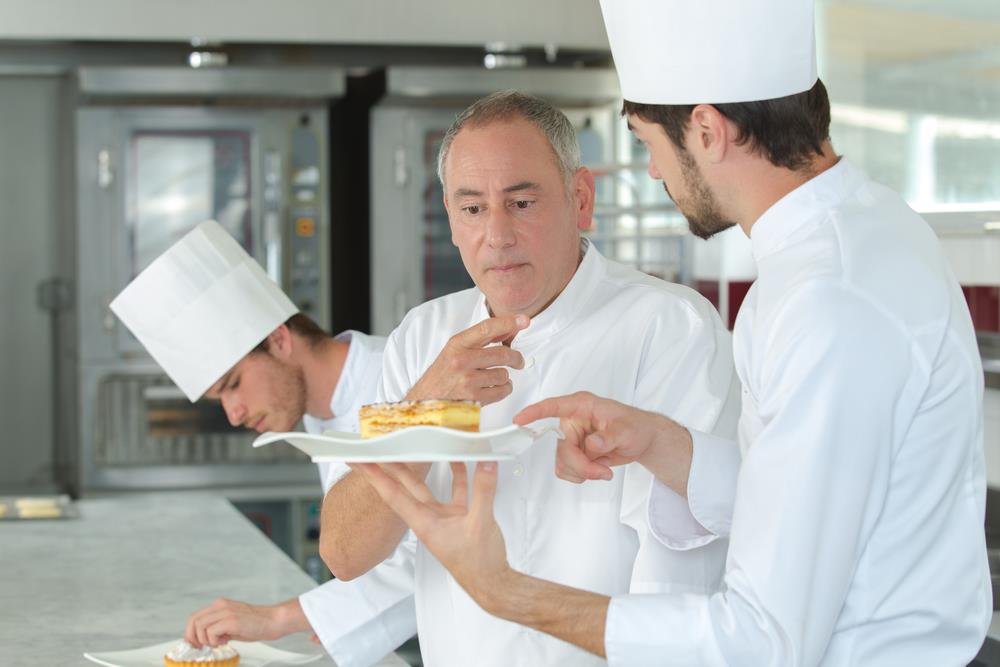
517 199
857 521
220 328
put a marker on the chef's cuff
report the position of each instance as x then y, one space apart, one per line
643 630
706 514
356 639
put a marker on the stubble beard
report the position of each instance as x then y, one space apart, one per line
702 212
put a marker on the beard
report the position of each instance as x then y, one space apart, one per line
288 394
701 209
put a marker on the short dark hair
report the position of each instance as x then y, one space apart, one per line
299 324
788 131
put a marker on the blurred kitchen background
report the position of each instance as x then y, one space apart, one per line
309 129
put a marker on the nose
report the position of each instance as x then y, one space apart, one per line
500 228
653 172
236 412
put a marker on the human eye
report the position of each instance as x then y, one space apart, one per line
472 209
523 203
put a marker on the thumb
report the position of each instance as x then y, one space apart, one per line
595 445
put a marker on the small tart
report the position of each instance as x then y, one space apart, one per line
185 655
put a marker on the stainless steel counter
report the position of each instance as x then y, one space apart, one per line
127 574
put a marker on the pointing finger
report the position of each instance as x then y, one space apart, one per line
491 330
564 407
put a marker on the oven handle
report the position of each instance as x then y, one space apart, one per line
273 205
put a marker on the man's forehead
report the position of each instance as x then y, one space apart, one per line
505 149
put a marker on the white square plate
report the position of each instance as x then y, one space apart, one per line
252 654
417 443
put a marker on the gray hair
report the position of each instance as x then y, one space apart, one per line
508 105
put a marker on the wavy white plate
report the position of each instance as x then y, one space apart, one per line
418 443
252 654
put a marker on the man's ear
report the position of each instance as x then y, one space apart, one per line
709 133
583 198
280 342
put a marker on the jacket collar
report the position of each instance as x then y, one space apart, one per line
803 207
566 307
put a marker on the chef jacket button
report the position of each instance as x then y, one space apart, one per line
518 470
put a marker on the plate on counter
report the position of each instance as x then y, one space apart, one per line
19 508
252 654
414 444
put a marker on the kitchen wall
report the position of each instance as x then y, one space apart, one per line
30 151
567 23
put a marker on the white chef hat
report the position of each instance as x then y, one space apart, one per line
711 51
201 306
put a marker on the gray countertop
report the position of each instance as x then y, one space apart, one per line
127 574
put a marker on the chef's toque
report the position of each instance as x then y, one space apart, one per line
711 51
201 306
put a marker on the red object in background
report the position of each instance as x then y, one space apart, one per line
709 289
984 305
737 292
262 521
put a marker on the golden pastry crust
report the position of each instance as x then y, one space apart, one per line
382 418
228 662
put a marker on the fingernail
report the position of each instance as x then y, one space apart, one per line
522 321
489 466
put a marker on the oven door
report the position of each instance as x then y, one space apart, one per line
148 175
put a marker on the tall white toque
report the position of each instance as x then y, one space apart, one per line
711 51
201 306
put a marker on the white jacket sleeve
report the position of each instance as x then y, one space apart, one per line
809 489
688 375
362 620
395 381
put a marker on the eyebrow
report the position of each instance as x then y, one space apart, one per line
628 124
523 185
517 187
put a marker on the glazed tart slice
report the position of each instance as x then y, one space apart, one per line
382 418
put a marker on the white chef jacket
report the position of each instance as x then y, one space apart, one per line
361 620
857 533
618 333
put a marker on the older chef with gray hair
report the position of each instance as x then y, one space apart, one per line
222 329
857 513
566 318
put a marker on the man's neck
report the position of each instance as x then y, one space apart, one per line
764 184
322 366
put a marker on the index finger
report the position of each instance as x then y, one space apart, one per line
562 407
191 628
190 636
491 330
